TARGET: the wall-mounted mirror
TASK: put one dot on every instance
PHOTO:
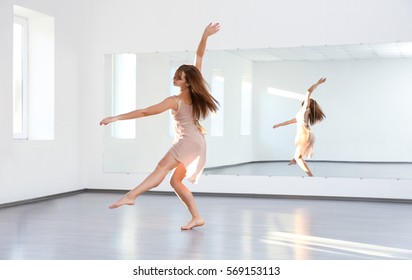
(366, 99)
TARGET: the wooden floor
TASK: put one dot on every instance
(81, 227)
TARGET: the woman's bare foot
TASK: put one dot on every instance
(293, 161)
(194, 222)
(124, 200)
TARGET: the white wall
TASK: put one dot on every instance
(366, 103)
(147, 26)
(31, 169)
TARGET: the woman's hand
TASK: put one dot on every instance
(285, 123)
(211, 29)
(312, 88)
(321, 81)
(108, 120)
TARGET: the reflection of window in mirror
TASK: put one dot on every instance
(218, 85)
(246, 107)
(286, 93)
(124, 94)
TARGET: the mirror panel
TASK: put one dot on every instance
(366, 100)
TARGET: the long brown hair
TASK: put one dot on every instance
(315, 114)
(202, 101)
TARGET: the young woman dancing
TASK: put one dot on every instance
(187, 156)
(309, 113)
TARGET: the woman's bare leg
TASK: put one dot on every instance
(186, 197)
(167, 163)
(302, 164)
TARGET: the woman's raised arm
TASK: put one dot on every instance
(209, 31)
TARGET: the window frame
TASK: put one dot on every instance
(23, 135)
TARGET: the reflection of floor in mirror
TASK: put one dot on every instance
(319, 169)
(80, 227)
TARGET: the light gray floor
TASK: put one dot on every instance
(81, 227)
(395, 170)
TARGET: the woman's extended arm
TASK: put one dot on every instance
(168, 103)
(311, 89)
(209, 31)
(285, 123)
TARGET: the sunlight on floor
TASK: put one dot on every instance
(314, 243)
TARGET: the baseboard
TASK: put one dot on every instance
(41, 198)
(234, 195)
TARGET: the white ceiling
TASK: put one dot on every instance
(341, 52)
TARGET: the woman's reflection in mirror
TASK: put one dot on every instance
(309, 114)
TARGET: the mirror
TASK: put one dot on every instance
(366, 100)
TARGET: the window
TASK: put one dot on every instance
(124, 94)
(33, 75)
(20, 78)
(217, 120)
(246, 108)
